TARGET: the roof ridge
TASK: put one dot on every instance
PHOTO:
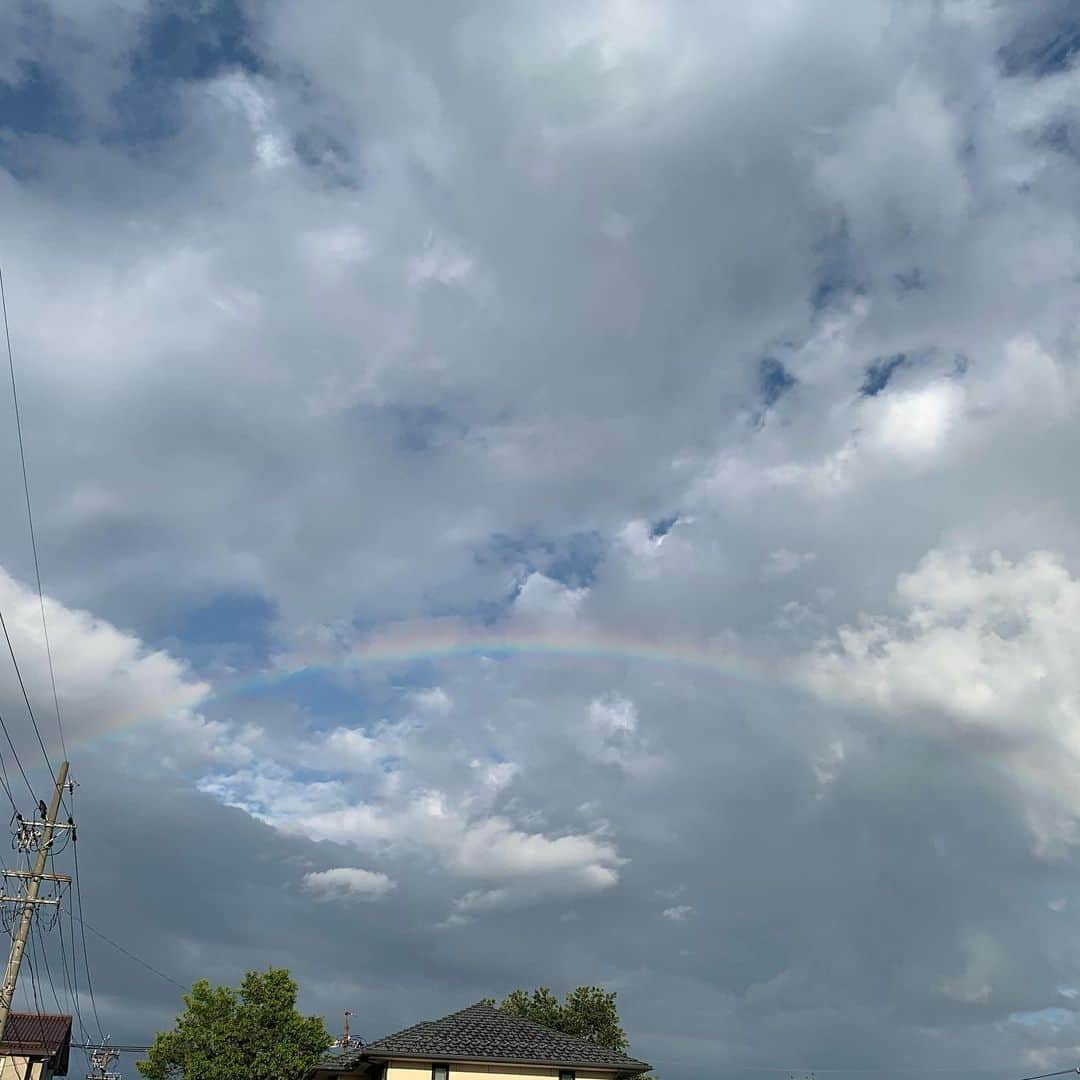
(483, 1031)
(543, 1027)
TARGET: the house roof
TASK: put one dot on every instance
(484, 1033)
(33, 1035)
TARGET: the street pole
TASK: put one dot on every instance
(18, 944)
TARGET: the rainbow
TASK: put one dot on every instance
(406, 646)
(409, 645)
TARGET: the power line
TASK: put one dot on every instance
(30, 521)
(48, 971)
(86, 957)
(33, 719)
(33, 986)
(74, 965)
(871, 1070)
(5, 782)
(26, 697)
(122, 1049)
(132, 956)
(72, 995)
(45, 960)
(18, 761)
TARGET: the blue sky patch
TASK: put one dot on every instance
(229, 627)
(774, 380)
(195, 41)
(662, 527)
(880, 372)
(331, 697)
(1046, 45)
(836, 275)
(189, 42)
(1054, 1016)
(38, 104)
(1059, 137)
(572, 559)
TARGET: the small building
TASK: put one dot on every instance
(35, 1046)
(478, 1043)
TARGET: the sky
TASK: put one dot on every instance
(541, 494)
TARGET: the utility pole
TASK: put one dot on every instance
(101, 1060)
(34, 879)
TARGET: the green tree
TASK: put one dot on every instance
(254, 1032)
(589, 1012)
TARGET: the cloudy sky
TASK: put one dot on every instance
(557, 493)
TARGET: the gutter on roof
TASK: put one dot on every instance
(628, 1067)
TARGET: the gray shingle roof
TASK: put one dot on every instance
(484, 1033)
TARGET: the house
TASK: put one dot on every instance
(478, 1043)
(35, 1046)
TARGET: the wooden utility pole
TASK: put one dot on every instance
(34, 879)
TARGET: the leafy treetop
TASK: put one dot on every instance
(254, 1032)
(589, 1012)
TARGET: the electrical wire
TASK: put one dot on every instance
(33, 987)
(86, 957)
(36, 926)
(5, 780)
(132, 956)
(72, 996)
(18, 761)
(122, 1049)
(45, 955)
(872, 1070)
(30, 520)
(26, 698)
(75, 965)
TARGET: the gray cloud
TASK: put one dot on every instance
(628, 330)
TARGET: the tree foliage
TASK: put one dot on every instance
(589, 1012)
(254, 1032)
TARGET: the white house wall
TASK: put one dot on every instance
(421, 1070)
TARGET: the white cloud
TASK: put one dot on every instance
(440, 262)
(897, 165)
(984, 958)
(434, 700)
(540, 599)
(916, 423)
(783, 562)
(348, 883)
(986, 644)
(482, 848)
(107, 679)
(613, 716)
(611, 736)
(495, 774)
(982, 649)
(678, 913)
(243, 93)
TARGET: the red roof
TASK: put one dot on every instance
(45, 1035)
